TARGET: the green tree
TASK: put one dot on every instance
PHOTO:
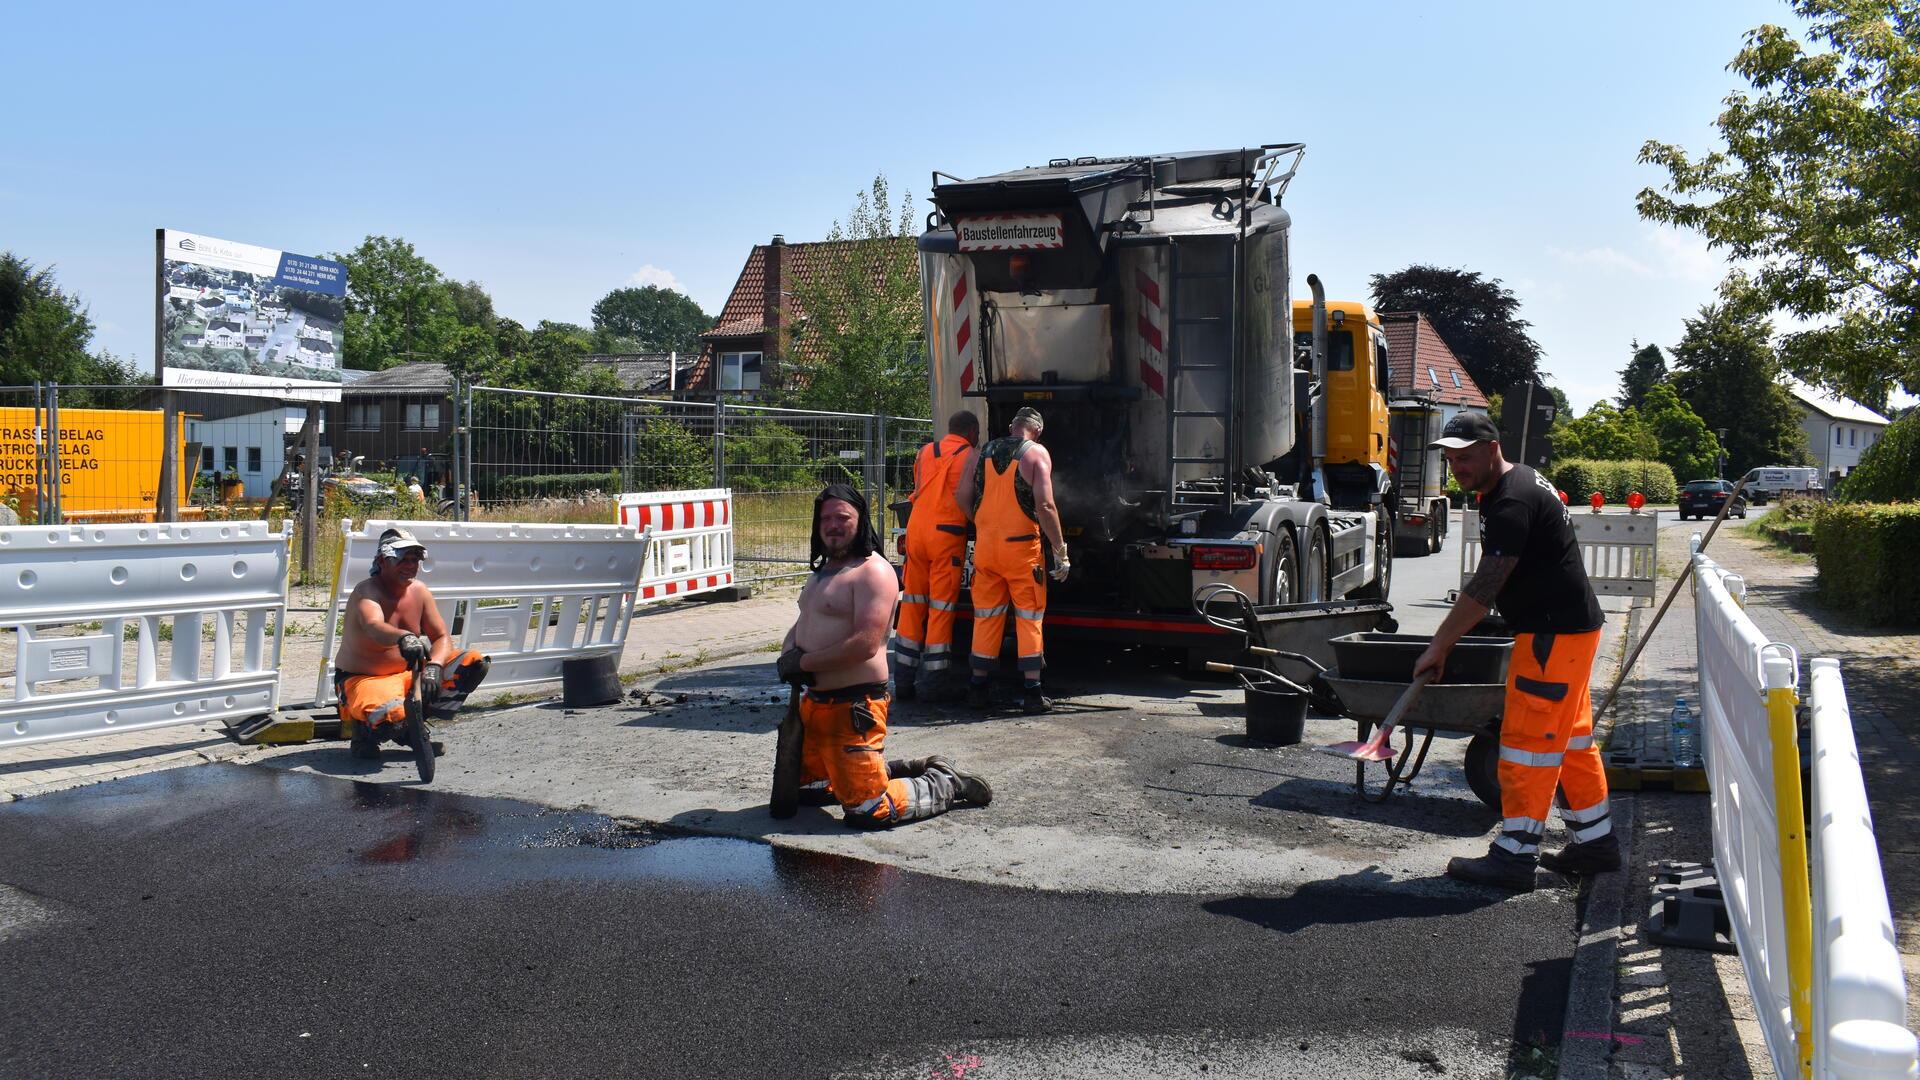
(1477, 317)
(401, 308)
(46, 334)
(652, 319)
(1647, 369)
(1681, 438)
(1725, 368)
(1605, 433)
(856, 343)
(1815, 190)
(1890, 469)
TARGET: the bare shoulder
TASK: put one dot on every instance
(363, 591)
(877, 573)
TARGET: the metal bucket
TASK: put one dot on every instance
(1275, 714)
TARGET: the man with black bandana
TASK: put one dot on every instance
(837, 651)
(1531, 569)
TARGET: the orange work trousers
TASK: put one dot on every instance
(1546, 742)
(845, 746)
(930, 594)
(1008, 579)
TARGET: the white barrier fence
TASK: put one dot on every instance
(1818, 952)
(689, 541)
(1859, 986)
(1621, 551)
(199, 607)
(529, 596)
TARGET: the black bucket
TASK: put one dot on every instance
(1275, 714)
(590, 682)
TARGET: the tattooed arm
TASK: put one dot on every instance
(1476, 600)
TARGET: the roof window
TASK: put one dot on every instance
(1456, 380)
(1433, 375)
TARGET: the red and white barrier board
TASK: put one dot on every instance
(689, 541)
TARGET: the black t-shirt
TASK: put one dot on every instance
(1523, 517)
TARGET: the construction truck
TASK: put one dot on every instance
(1143, 305)
(1420, 476)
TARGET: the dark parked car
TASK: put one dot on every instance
(1703, 498)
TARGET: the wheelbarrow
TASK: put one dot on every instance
(1460, 708)
(1299, 633)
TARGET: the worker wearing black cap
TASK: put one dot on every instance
(1531, 570)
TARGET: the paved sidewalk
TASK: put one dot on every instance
(1687, 1013)
(664, 637)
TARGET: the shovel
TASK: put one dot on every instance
(1376, 749)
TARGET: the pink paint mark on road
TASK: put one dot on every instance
(956, 1069)
(1623, 1040)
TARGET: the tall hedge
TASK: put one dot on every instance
(1865, 553)
(1890, 469)
(1580, 477)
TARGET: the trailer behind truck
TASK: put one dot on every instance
(1420, 477)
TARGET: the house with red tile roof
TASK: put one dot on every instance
(1421, 366)
(744, 352)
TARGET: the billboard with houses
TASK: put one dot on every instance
(240, 319)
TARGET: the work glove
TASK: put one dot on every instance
(1061, 567)
(415, 647)
(789, 668)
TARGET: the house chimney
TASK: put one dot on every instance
(775, 279)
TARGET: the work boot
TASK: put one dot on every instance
(951, 690)
(904, 688)
(1035, 702)
(967, 787)
(903, 768)
(977, 696)
(1498, 867)
(1596, 856)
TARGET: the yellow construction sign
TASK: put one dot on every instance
(108, 462)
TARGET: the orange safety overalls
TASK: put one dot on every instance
(843, 757)
(1009, 569)
(1546, 742)
(936, 551)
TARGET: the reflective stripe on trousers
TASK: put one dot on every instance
(1546, 742)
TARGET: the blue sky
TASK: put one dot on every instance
(554, 152)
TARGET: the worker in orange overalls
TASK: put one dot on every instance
(1006, 490)
(936, 549)
(1531, 569)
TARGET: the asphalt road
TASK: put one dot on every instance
(1149, 896)
(240, 921)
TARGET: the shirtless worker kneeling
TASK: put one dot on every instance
(837, 652)
(392, 621)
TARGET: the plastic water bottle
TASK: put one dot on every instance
(1685, 736)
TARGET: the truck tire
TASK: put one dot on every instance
(1315, 581)
(1383, 558)
(1283, 579)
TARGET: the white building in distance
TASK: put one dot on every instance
(1838, 429)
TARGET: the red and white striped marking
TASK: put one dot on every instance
(690, 540)
(960, 317)
(1152, 344)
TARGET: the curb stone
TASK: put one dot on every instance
(1586, 1035)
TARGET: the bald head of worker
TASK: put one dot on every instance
(1027, 423)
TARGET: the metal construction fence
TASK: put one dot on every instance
(1812, 928)
(71, 454)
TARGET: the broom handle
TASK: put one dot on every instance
(1621, 676)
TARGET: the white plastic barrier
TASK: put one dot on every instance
(529, 596)
(210, 596)
(1738, 668)
(1859, 988)
(1621, 552)
(689, 540)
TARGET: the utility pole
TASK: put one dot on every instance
(1720, 469)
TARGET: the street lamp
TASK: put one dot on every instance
(1720, 467)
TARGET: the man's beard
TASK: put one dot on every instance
(837, 549)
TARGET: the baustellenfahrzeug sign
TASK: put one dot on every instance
(1010, 232)
(240, 319)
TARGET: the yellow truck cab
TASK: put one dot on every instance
(1356, 391)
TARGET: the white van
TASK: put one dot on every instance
(1767, 483)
